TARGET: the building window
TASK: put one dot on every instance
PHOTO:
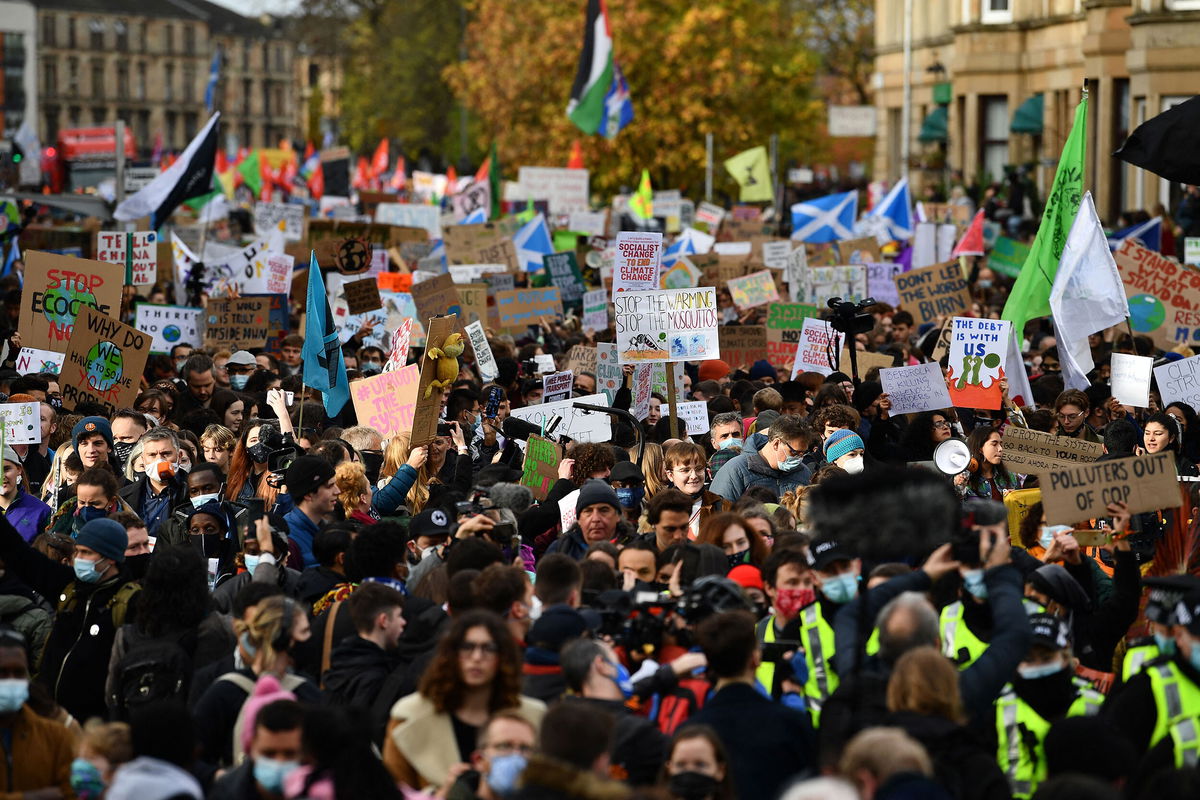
(247, 89)
(141, 126)
(190, 124)
(97, 79)
(170, 117)
(245, 55)
(280, 59)
(51, 116)
(1122, 111)
(99, 115)
(96, 34)
(996, 12)
(169, 78)
(122, 31)
(993, 148)
(189, 40)
(189, 82)
(122, 80)
(72, 75)
(247, 130)
(266, 98)
(71, 33)
(49, 30)
(49, 78)
(139, 89)
(314, 74)
(170, 39)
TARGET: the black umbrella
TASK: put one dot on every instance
(1166, 144)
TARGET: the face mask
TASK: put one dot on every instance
(370, 367)
(86, 570)
(505, 771)
(1046, 537)
(238, 382)
(738, 558)
(201, 499)
(246, 644)
(259, 452)
(1036, 671)
(122, 450)
(1166, 644)
(160, 470)
(269, 773)
(788, 602)
(13, 694)
(89, 513)
(138, 565)
(251, 563)
(630, 497)
(622, 679)
(732, 441)
(86, 780)
(790, 463)
(179, 365)
(841, 588)
(692, 785)
(984, 284)
(535, 609)
(973, 582)
(852, 464)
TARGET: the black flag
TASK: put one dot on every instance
(1166, 144)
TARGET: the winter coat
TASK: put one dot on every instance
(961, 764)
(751, 469)
(357, 671)
(41, 756)
(28, 515)
(547, 779)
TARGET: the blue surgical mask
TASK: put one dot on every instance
(790, 463)
(86, 570)
(622, 679)
(269, 773)
(238, 382)
(630, 497)
(249, 647)
(1165, 643)
(15, 691)
(973, 582)
(370, 367)
(505, 772)
(251, 563)
(840, 588)
(1046, 537)
(732, 441)
(984, 284)
(1032, 673)
(86, 780)
(201, 499)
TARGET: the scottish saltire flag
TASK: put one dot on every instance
(532, 242)
(476, 217)
(324, 367)
(1148, 233)
(826, 219)
(214, 74)
(682, 246)
(896, 209)
(618, 104)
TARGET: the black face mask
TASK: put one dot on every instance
(122, 450)
(259, 452)
(137, 565)
(372, 463)
(692, 785)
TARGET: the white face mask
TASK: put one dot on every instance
(852, 464)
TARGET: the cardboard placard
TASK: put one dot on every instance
(881, 282)
(237, 323)
(31, 360)
(595, 310)
(860, 251)
(500, 251)
(667, 325)
(271, 273)
(1130, 380)
(784, 323)
(775, 253)
(56, 287)
(577, 424)
(436, 296)
(557, 386)
(472, 299)
(362, 295)
(540, 469)
(352, 256)
(581, 359)
(285, 217)
(822, 283)
(915, 389)
(1164, 295)
(866, 361)
(742, 345)
(523, 307)
(1179, 381)
(136, 250)
(386, 401)
(931, 292)
(425, 414)
(563, 270)
(755, 289)
(638, 258)
(484, 358)
(1029, 451)
(169, 325)
(22, 423)
(817, 347)
(609, 376)
(1081, 491)
(104, 363)
(978, 350)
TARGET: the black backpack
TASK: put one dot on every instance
(153, 669)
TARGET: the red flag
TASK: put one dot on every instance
(399, 179)
(576, 159)
(222, 162)
(362, 174)
(308, 150)
(451, 180)
(379, 162)
(316, 182)
(482, 175)
(268, 176)
(971, 243)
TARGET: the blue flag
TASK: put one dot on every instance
(826, 219)
(896, 210)
(532, 242)
(618, 105)
(324, 367)
(214, 74)
(1149, 234)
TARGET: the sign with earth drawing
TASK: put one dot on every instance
(56, 288)
(104, 362)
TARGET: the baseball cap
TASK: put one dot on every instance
(1049, 631)
(826, 551)
(243, 358)
(430, 522)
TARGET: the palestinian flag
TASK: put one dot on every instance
(595, 74)
(188, 177)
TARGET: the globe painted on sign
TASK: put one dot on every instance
(105, 366)
(172, 333)
(1146, 313)
(61, 303)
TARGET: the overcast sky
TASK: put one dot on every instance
(252, 7)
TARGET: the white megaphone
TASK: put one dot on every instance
(952, 456)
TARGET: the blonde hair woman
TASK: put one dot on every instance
(355, 497)
(653, 469)
(59, 476)
(414, 473)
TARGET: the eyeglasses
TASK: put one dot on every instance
(791, 449)
(483, 648)
(1069, 417)
(942, 425)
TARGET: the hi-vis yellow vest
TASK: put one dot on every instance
(1020, 732)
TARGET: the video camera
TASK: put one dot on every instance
(637, 620)
(851, 318)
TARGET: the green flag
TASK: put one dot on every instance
(251, 173)
(1030, 296)
(495, 181)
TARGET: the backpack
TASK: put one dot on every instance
(290, 682)
(152, 670)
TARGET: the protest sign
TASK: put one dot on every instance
(362, 295)
(742, 345)
(1130, 380)
(1191, 250)
(500, 251)
(398, 348)
(784, 323)
(1034, 452)
(31, 360)
(978, 348)
(270, 273)
(435, 297)
(881, 283)
(564, 189)
(285, 217)
(104, 362)
(915, 389)
(429, 402)
(484, 358)
(680, 275)
(866, 361)
(932, 292)
(595, 310)
(755, 289)
(236, 323)
(545, 363)
(589, 223)
(1164, 296)
(638, 257)
(609, 376)
(472, 298)
(169, 325)
(711, 215)
(386, 401)
(540, 469)
(794, 274)
(667, 325)
(694, 415)
(860, 251)
(1007, 256)
(54, 290)
(1082, 491)
(775, 253)
(474, 196)
(577, 424)
(137, 252)
(943, 343)
(463, 242)
(582, 358)
(500, 283)
(22, 423)
(643, 387)
(817, 348)
(564, 273)
(556, 386)
(1178, 381)
(411, 215)
(473, 273)
(822, 283)
(520, 308)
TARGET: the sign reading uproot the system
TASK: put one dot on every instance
(577, 424)
(667, 325)
(1034, 452)
(169, 325)
(638, 258)
(1083, 491)
(56, 288)
(237, 323)
(931, 292)
(978, 348)
(915, 389)
(104, 362)
(386, 401)
(138, 251)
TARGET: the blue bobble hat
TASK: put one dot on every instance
(841, 442)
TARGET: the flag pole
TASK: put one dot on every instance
(300, 427)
